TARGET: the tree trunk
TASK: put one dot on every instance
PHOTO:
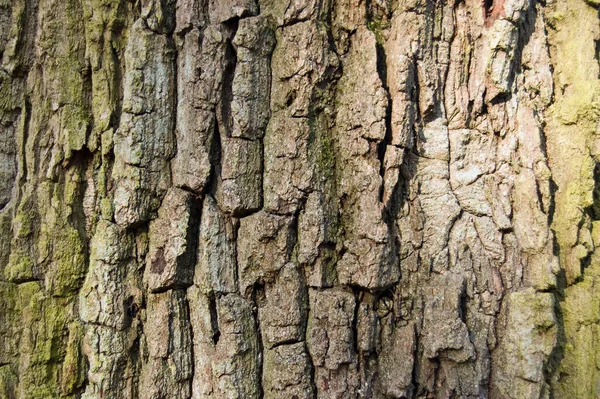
(299, 199)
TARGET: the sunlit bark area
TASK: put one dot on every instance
(299, 199)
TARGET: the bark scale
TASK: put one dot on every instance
(299, 198)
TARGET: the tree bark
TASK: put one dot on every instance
(299, 199)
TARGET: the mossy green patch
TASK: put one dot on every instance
(74, 126)
(25, 217)
(62, 236)
(19, 268)
(75, 363)
(572, 124)
(8, 381)
(378, 25)
(581, 319)
(6, 97)
(43, 344)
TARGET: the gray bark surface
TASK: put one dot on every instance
(299, 199)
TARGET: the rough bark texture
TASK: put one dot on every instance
(299, 199)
